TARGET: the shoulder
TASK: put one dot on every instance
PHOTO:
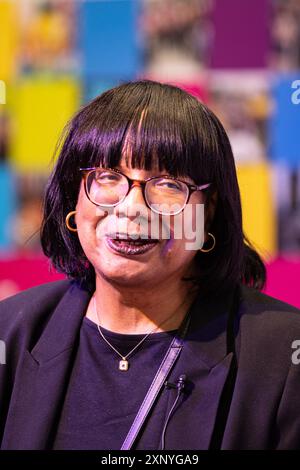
(264, 307)
(268, 327)
(26, 318)
(31, 304)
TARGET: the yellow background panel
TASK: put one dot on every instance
(259, 218)
(40, 108)
(8, 39)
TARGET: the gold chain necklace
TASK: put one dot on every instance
(123, 363)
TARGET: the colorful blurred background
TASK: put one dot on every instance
(242, 58)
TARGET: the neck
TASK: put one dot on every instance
(138, 310)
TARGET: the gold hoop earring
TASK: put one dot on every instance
(69, 215)
(212, 247)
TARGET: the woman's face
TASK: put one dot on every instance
(169, 257)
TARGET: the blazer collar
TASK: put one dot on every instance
(208, 362)
(63, 327)
(206, 335)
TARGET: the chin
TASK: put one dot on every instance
(129, 280)
(126, 275)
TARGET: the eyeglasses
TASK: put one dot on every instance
(166, 195)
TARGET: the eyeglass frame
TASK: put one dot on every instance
(142, 183)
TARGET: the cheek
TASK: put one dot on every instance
(174, 248)
(87, 217)
(170, 247)
(85, 220)
(186, 232)
(174, 256)
(87, 213)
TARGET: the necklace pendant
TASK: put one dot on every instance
(123, 365)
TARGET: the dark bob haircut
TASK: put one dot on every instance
(183, 137)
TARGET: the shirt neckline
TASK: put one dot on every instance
(131, 336)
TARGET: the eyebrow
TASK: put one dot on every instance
(162, 173)
(159, 173)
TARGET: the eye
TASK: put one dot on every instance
(106, 177)
(168, 184)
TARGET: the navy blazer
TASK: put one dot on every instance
(244, 388)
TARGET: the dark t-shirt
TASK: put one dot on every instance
(102, 401)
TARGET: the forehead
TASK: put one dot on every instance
(126, 164)
(126, 167)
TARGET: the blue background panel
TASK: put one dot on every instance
(8, 205)
(109, 40)
(285, 122)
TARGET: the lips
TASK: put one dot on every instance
(130, 246)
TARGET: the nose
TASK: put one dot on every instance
(134, 203)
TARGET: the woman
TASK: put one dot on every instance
(122, 216)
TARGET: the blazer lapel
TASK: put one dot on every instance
(206, 363)
(42, 377)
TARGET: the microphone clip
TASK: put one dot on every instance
(179, 385)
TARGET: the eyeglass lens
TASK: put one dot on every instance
(163, 195)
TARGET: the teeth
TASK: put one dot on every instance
(135, 242)
(131, 247)
(133, 237)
